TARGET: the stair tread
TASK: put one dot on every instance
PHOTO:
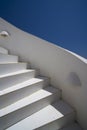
(73, 126)
(44, 116)
(17, 72)
(13, 67)
(40, 94)
(20, 85)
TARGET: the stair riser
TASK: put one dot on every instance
(8, 59)
(60, 123)
(8, 68)
(3, 51)
(12, 97)
(6, 82)
(14, 117)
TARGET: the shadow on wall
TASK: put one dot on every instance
(74, 79)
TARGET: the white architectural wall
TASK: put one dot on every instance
(66, 70)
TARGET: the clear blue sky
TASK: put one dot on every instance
(63, 22)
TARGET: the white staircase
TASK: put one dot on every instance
(28, 101)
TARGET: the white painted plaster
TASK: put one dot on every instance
(54, 62)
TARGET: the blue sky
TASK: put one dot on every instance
(63, 22)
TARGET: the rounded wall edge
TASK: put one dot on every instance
(4, 25)
(66, 70)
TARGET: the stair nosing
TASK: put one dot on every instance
(43, 124)
(13, 63)
(1, 94)
(17, 73)
(24, 105)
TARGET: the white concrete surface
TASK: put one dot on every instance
(27, 106)
(18, 91)
(16, 73)
(20, 85)
(8, 58)
(3, 50)
(7, 80)
(8, 68)
(66, 70)
(27, 100)
(45, 116)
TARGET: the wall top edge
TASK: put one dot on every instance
(2, 21)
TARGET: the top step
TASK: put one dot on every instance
(3, 50)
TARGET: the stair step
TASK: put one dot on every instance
(73, 126)
(27, 106)
(10, 79)
(3, 50)
(28, 100)
(16, 73)
(21, 90)
(52, 117)
(8, 58)
(8, 68)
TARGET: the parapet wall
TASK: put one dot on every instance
(67, 70)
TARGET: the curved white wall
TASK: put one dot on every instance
(66, 70)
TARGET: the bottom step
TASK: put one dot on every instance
(52, 117)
